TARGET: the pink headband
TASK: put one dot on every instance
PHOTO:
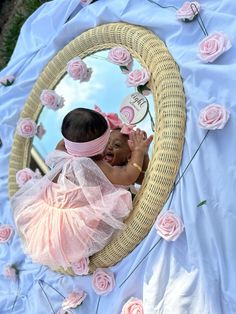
(115, 122)
(88, 149)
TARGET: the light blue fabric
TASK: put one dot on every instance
(195, 274)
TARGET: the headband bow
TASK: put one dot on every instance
(115, 122)
(112, 118)
(127, 129)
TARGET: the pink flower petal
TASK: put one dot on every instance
(103, 281)
(6, 232)
(169, 226)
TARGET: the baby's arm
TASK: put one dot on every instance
(145, 165)
(128, 174)
(61, 146)
(144, 168)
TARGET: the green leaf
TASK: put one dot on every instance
(143, 88)
(14, 25)
(139, 89)
(124, 69)
(202, 203)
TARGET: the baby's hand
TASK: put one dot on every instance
(139, 141)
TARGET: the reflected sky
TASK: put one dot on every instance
(107, 88)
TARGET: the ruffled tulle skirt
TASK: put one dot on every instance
(62, 222)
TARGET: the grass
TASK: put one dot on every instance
(11, 35)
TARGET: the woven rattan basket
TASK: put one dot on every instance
(167, 89)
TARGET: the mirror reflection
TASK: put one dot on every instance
(106, 88)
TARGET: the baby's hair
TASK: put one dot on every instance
(83, 125)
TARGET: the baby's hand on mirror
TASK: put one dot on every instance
(61, 146)
(144, 134)
(139, 141)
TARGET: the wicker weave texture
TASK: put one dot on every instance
(169, 99)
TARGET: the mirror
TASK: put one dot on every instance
(106, 88)
(169, 105)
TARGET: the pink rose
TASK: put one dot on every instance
(26, 128)
(26, 174)
(78, 70)
(213, 117)
(81, 267)
(169, 226)
(138, 77)
(85, 2)
(10, 272)
(51, 99)
(120, 56)
(6, 232)
(133, 306)
(73, 300)
(188, 11)
(103, 281)
(7, 80)
(212, 46)
(40, 131)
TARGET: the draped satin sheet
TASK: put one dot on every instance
(195, 274)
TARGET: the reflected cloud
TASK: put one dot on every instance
(78, 94)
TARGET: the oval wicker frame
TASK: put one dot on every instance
(169, 99)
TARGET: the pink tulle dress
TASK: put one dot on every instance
(62, 222)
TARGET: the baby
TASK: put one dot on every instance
(82, 201)
(118, 153)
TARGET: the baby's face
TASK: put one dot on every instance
(117, 151)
